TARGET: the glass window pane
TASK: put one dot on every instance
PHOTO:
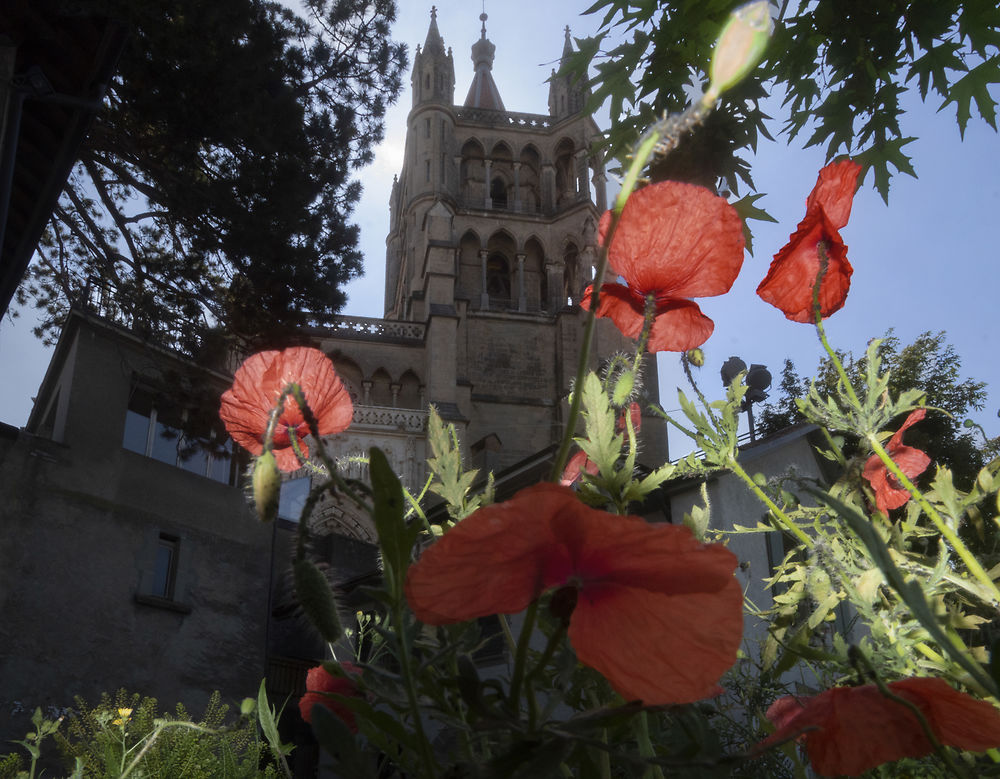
(163, 568)
(293, 497)
(165, 442)
(193, 456)
(221, 468)
(136, 431)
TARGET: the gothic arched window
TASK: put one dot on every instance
(498, 193)
(498, 278)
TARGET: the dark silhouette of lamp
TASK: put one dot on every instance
(758, 380)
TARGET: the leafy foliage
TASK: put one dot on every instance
(104, 741)
(841, 69)
(215, 187)
(930, 366)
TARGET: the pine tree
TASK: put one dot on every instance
(214, 191)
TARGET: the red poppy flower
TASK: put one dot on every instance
(578, 463)
(790, 280)
(657, 613)
(256, 388)
(674, 241)
(319, 682)
(634, 412)
(858, 728)
(889, 493)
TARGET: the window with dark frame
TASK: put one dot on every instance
(157, 430)
(165, 566)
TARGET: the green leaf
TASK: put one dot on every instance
(602, 444)
(747, 209)
(974, 85)
(268, 723)
(395, 538)
(878, 158)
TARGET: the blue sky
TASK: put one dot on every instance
(924, 262)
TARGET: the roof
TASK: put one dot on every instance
(54, 69)
(483, 93)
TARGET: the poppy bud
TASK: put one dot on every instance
(317, 601)
(266, 481)
(739, 47)
(696, 357)
(623, 388)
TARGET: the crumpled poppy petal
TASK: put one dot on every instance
(912, 418)
(678, 240)
(679, 326)
(619, 304)
(658, 648)
(844, 719)
(576, 465)
(258, 384)
(792, 275)
(834, 191)
(489, 563)
(634, 416)
(889, 494)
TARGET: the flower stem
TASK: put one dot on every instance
(646, 746)
(520, 657)
(778, 514)
(952, 537)
(406, 668)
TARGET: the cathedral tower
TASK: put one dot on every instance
(492, 240)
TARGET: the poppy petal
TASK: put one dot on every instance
(911, 461)
(620, 305)
(576, 465)
(679, 326)
(491, 562)
(912, 418)
(655, 647)
(792, 275)
(632, 552)
(834, 191)
(957, 719)
(677, 239)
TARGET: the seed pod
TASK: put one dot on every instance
(317, 600)
(623, 388)
(266, 481)
(739, 47)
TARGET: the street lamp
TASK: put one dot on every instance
(757, 379)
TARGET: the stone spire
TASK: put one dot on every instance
(434, 42)
(567, 48)
(567, 95)
(433, 77)
(483, 93)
